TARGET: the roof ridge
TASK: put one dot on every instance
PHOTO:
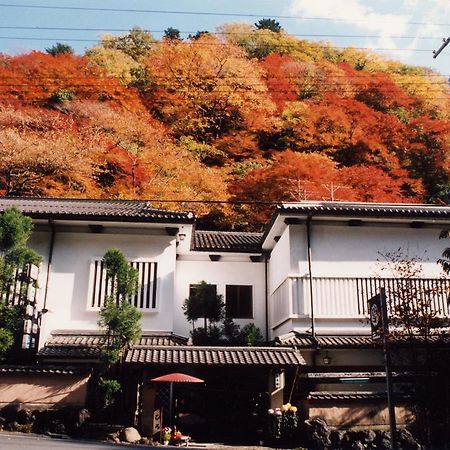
(228, 232)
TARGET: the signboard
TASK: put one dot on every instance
(376, 316)
(157, 421)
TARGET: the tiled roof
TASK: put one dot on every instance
(300, 340)
(353, 395)
(346, 395)
(86, 209)
(167, 348)
(307, 341)
(219, 356)
(227, 241)
(366, 209)
(31, 370)
(83, 344)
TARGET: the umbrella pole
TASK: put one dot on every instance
(170, 403)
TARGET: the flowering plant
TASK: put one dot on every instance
(283, 421)
(166, 433)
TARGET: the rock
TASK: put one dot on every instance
(13, 426)
(25, 416)
(82, 416)
(357, 445)
(130, 435)
(145, 441)
(407, 440)
(383, 440)
(366, 436)
(59, 428)
(113, 437)
(9, 412)
(336, 437)
(24, 428)
(318, 433)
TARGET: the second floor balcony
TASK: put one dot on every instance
(301, 297)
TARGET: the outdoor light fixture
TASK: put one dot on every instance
(181, 235)
(326, 359)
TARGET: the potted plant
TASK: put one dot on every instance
(166, 435)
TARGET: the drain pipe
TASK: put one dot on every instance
(311, 294)
(266, 293)
(49, 264)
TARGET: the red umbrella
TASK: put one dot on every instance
(175, 377)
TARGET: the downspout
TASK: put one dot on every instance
(311, 294)
(266, 293)
(49, 264)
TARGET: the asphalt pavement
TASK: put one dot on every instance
(19, 441)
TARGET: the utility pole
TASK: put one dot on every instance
(379, 322)
(439, 50)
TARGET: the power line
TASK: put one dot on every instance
(215, 33)
(293, 45)
(203, 13)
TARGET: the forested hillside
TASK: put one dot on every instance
(243, 114)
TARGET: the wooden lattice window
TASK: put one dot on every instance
(144, 299)
(21, 292)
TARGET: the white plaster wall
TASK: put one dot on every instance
(219, 273)
(339, 250)
(344, 251)
(280, 263)
(67, 299)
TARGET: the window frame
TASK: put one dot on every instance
(151, 297)
(238, 295)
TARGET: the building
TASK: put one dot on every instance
(304, 282)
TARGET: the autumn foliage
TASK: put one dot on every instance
(247, 115)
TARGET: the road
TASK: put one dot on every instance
(18, 441)
(14, 441)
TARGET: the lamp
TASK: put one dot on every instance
(326, 359)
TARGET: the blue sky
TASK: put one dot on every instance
(405, 30)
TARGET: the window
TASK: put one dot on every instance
(239, 302)
(145, 298)
(211, 289)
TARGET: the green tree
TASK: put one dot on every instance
(15, 231)
(268, 24)
(204, 302)
(59, 49)
(137, 43)
(172, 34)
(119, 318)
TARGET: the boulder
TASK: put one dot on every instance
(357, 445)
(336, 437)
(82, 416)
(130, 435)
(407, 440)
(318, 433)
(366, 436)
(25, 416)
(383, 440)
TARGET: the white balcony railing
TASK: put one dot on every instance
(346, 298)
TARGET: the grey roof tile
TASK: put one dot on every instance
(85, 344)
(84, 209)
(190, 355)
(366, 209)
(42, 369)
(227, 241)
